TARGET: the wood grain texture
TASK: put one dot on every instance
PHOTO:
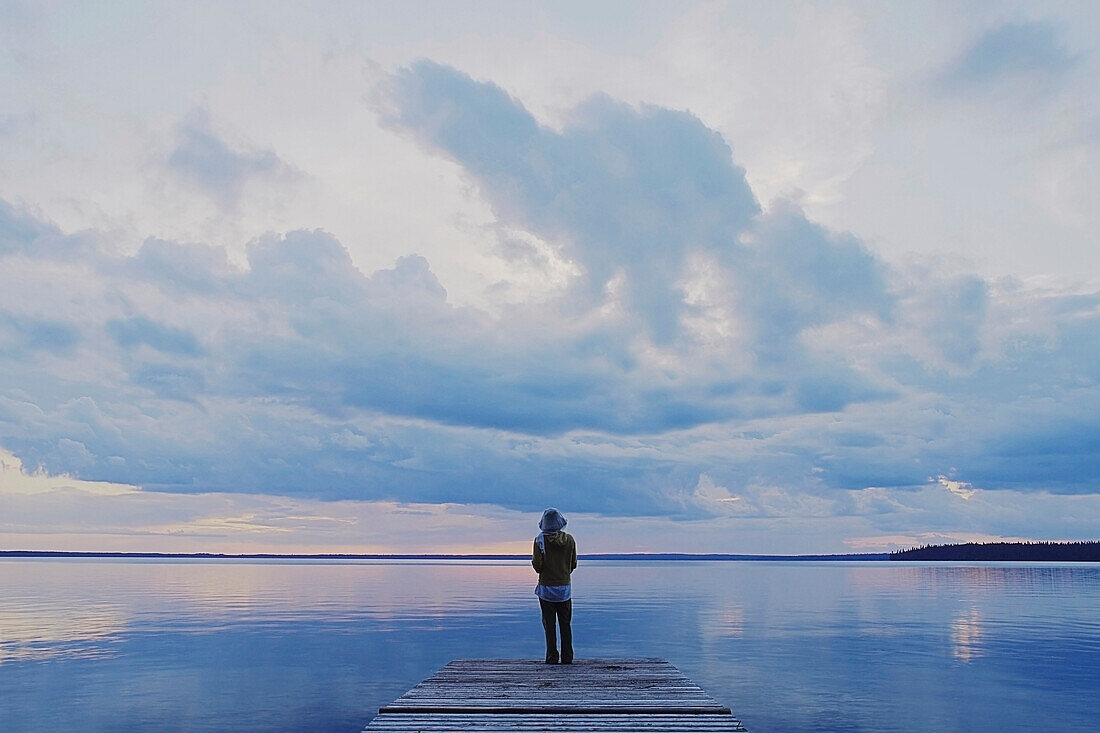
(589, 695)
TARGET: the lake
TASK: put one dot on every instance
(122, 644)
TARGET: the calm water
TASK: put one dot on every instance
(214, 645)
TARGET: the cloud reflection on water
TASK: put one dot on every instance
(28, 633)
(316, 645)
(967, 635)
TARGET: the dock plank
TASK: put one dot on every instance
(465, 723)
(472, 695)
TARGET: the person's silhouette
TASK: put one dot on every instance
(554, 557)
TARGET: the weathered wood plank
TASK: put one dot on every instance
(465, 723)
(615, 683)
(636, 694)
(634, 722)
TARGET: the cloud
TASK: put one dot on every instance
(695, 334)
(132, 332)
(620, 188)
(1010, 50)
(61, 512)
(46, 512)
(203, 158)
(182, 267)
(16, 479)
(651, 206)
(50, 335)
(1026, 62)
(20, 231)
(961, 489)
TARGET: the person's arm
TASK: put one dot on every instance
(573, 561)
(536, 557)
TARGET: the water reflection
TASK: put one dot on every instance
(42, 633)
(81, 608)
(318, 646)
(966, 635)
(726, 621)
(990, 578)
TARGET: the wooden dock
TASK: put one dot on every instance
(472, 695)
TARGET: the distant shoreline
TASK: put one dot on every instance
(969, 552)
(1005, 552)
(670, 556)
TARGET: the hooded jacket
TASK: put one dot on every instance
(558, 561)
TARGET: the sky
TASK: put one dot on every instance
(753, 277)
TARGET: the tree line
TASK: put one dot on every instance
(1038, 551)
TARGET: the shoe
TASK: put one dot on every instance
(551, 660)
(567, 661)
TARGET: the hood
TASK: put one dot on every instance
(552, 521)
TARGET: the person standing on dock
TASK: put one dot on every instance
(554, 557)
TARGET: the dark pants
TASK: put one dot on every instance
(563, 612)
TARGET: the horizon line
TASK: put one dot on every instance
(445, 556)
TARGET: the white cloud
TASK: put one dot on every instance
(15, 479)
(961, 489)
(715, 499)
(203, 158)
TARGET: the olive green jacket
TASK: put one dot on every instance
(558, 561)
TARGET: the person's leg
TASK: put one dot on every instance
(551, 634)
(565, 619)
